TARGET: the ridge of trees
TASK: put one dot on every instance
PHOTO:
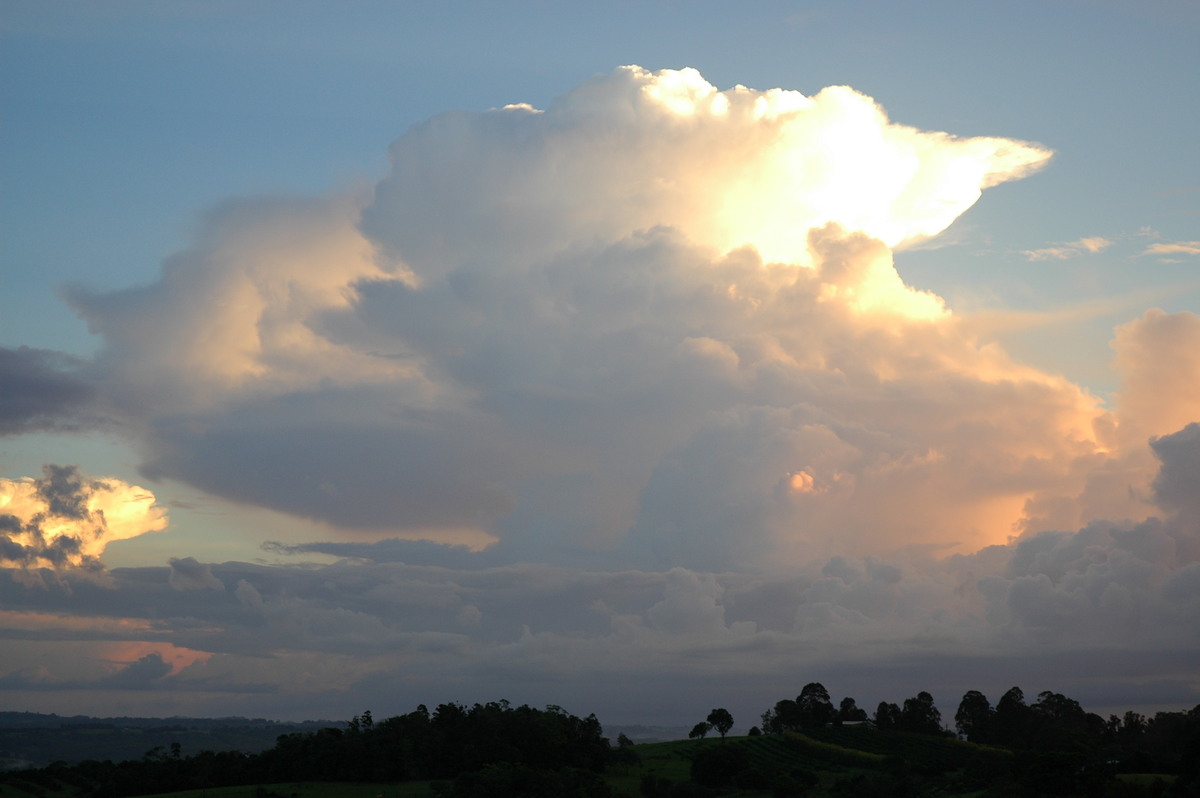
(492, 748)
(1167, 742)
(1054, 740)
(1049, 747)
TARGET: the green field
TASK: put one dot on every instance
(827, 755)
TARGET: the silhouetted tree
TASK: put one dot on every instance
(625, 754)
(783, 716)
(1131, 728)
(721, 720)
(1060, 723)
(887, 716)
(699, 730)
(849, 711)
(920, 715)
(815, 708)
(1011, 721)
(974, 716)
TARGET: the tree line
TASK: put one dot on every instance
(1056, 744)
(484, 749)
(813, 709)
(1048, 747)
(1167, 742)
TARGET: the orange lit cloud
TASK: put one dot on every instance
(125, 653)
(1177, 248)
(65, 519)
(49, 623)
(1158, 357)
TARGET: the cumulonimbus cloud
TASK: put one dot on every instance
(644, 359)
(637, 149)
(644, 317)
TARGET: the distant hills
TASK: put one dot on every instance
(34, 740)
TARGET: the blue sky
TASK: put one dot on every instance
(699, 509)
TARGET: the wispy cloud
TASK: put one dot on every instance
(1074, 249)
(1176, 248)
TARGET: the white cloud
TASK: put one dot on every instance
(1074, 249)
(635, 149)
(1176, 248)
(543, 311)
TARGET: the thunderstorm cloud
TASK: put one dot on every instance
(631, 379)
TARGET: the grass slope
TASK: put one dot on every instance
(829, 755)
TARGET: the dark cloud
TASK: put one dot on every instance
(337, 470)
(143, 674)
(188, 574)
(1177, 486)
(42, 391)
(64, 491)
(416, 552)
(867, 627)
(146, 673)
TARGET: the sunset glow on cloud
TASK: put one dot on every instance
(567, 302)
(635, 150)
(601, 385)
(61, 520)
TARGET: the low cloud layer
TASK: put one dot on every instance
(1072, 611)
(626, 387)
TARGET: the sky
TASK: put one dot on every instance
(636, 358)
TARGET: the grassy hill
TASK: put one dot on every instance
(829, 761)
